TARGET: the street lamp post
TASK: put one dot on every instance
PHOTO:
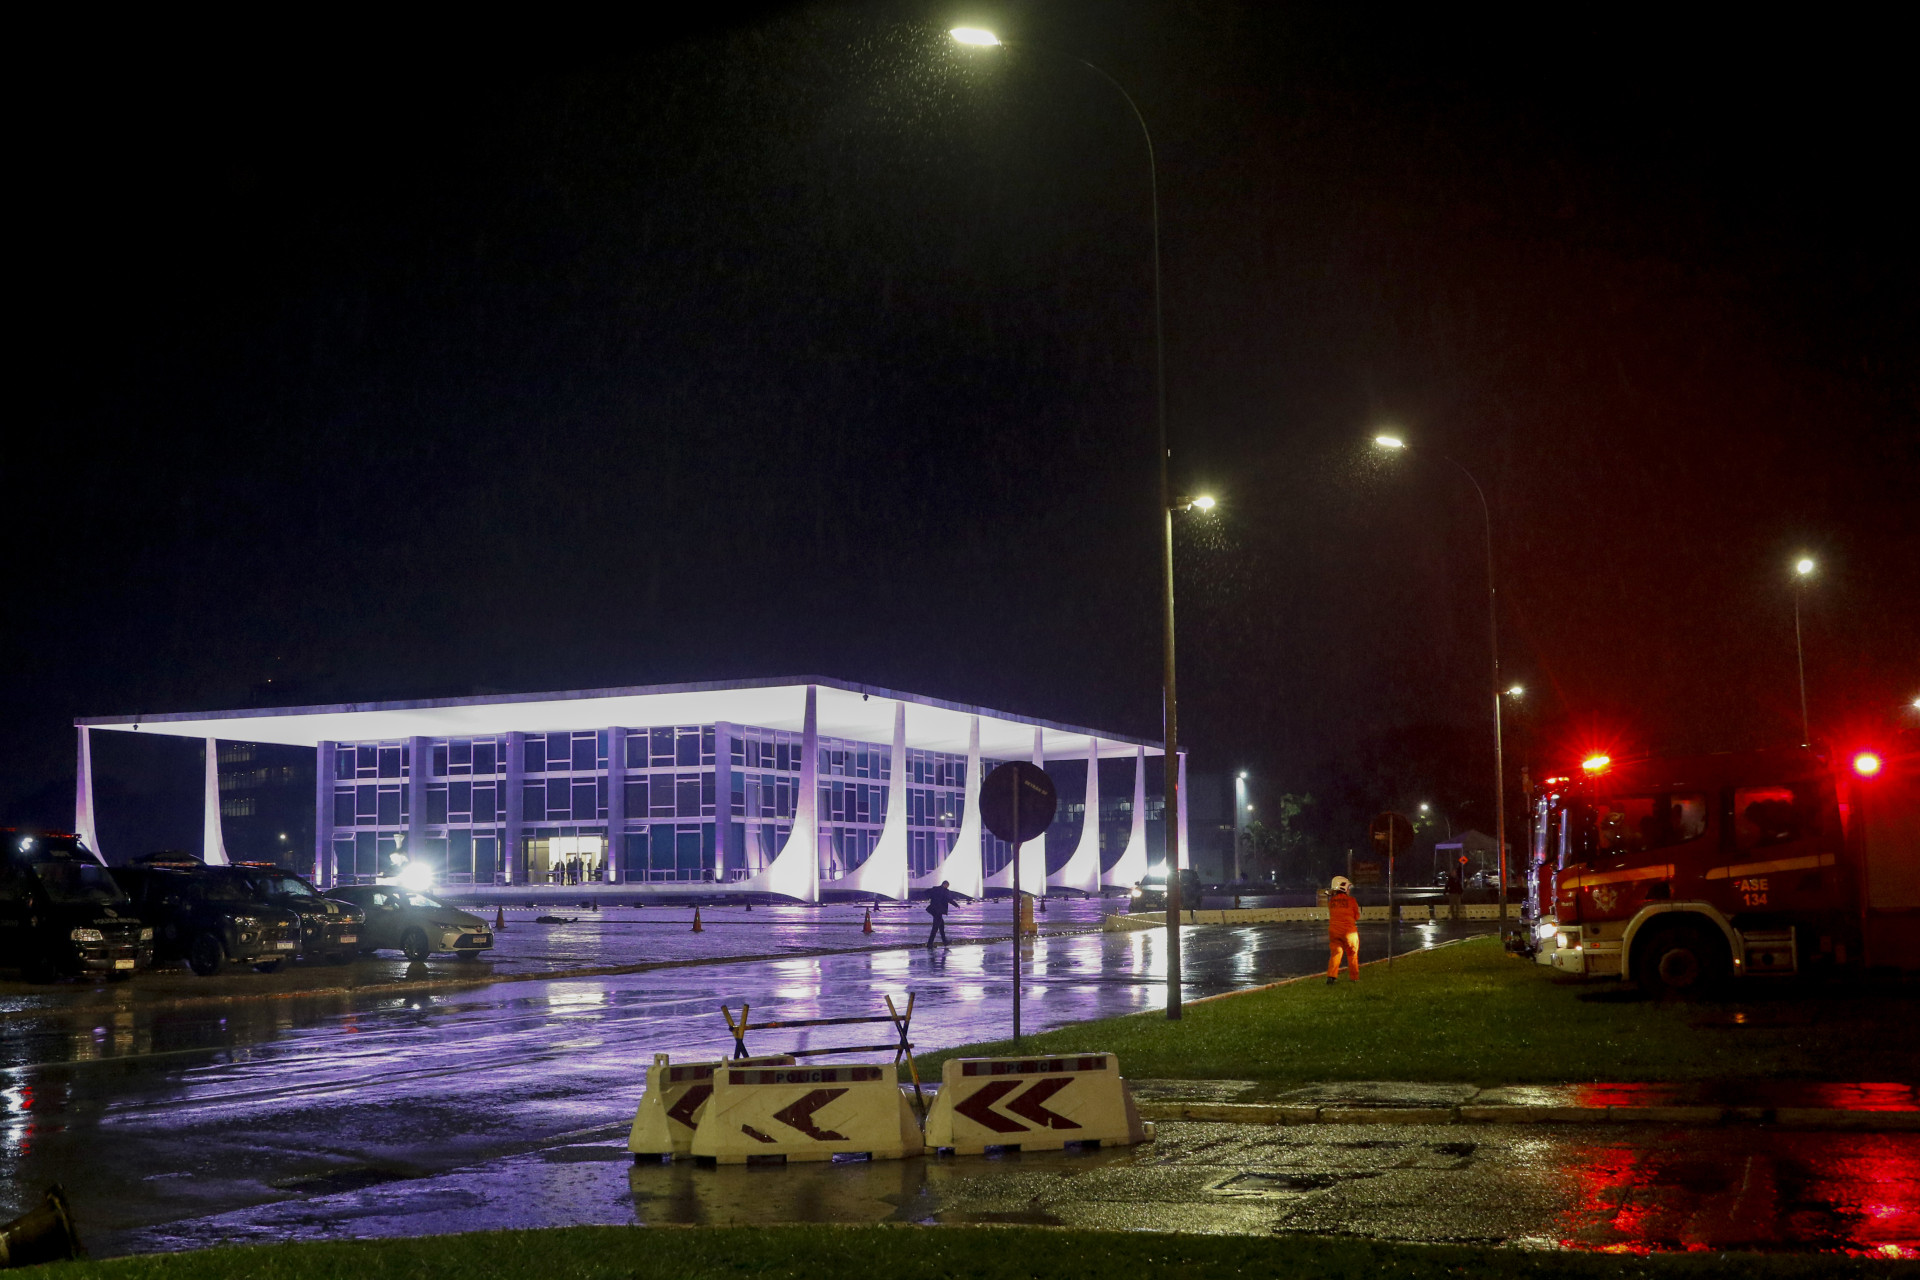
(980, 38)
(1493, 640)
(1802, 569)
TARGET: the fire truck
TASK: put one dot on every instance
(1683, 873)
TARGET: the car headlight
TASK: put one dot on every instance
(87, 935)
(146, 935)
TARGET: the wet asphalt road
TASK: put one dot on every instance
(154, 1115)
(362, 1113)
(1533, 1186)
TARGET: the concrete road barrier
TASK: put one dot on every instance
(1035, 1104)
(806, 1113)
(674, 1099)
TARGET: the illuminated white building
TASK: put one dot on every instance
(800, 789)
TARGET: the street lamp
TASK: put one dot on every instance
(1242, 810)
(1396, 443)
(1802, 569)
(981, 38)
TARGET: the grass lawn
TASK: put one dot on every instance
(909, 1253)
(1471, 1013)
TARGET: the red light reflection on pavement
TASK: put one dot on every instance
(16, 1138)
(1754, 1189)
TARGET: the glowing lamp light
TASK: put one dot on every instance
(1867, 763)
(1204, 502)
(1594, 764)
(1390, 442)
(1516, 691)
(1803, 566)
(417, 876)
(978, 37)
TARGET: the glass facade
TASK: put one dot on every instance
(709, 803)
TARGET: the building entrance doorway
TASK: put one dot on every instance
(567, 860)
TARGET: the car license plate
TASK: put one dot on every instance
(123, 964)
(349, 937)
(283, 946)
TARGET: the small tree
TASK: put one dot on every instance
(1277, 849)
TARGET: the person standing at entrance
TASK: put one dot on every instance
(939, 900)
(1343, 930)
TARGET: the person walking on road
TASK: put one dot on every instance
(939, 899)
(1343, 930)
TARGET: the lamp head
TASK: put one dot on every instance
(1516, 691)
(1803, 566)
(978, 37)
(1203, 503)
(1390, 442)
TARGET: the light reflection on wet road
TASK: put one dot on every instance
(152, 1115)
(507, 1105)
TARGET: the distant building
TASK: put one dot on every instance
(266, 802)
(794, 788)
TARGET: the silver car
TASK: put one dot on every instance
(413, 922)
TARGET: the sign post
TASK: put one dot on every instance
(1017, 803)
(1391, 834)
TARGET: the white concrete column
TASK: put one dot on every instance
(324, 756)
(963, 868)
(1130, 868)
(617, 804)
(419, 770)
(213, 845)
(512, 854)
(83, 819)
(795, 870)
(1033, 854)
(884, 873)
(1080, 873)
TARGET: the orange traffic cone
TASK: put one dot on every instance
(499, 919)
(697, 926)
(866, 926)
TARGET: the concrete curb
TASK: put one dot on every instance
(1790, 1117)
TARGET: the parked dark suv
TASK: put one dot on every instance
(60, 912)
(210, 916)
(329, 929)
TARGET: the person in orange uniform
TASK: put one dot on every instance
(1343, 930)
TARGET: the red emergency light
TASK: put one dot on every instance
(1866, 763)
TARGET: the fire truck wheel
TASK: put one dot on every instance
(1680, 960)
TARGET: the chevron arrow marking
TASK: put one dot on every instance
(1030, 1104)
(690, 1102)
(978, 1108)
(799, 1115)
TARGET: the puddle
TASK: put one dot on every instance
(344, 1180)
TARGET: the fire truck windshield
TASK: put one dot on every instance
(1625, 824)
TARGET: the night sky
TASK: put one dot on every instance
(375, 362)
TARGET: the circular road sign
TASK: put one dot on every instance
(1390, 835)
(1031, 787)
